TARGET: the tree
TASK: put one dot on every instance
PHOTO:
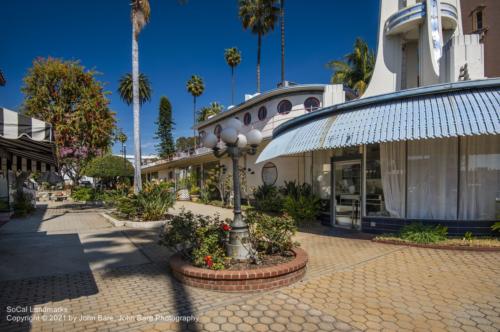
(195, 87)
(126, 90)
(141, 12)
(108, 168)
(121, 137)
(356, 70)
(205, 112)
(184, 143)
(2, 79)
(70, 98)
(164, 131)
(259, 16)
(233, 59)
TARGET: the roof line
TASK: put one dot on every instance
(256, 99)
(384, 98)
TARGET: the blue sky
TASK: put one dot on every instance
(180, 40)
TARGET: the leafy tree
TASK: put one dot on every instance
(205, 112)
(195, 87)
(164, 130)
(108, 167)
(356, 69)
(184, 143)
(259, 16)
(125, 89)
(233, 59)
(141, 12)
(69, 97)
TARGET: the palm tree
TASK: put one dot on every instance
(233, 59)
(141, 12)
(282, 21)
(125, 89)
(213, 109)
(356, 69)
(2, 79)
(195, 87)
(259, 16)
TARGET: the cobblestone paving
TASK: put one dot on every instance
(351, 284)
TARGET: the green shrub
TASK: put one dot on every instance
(4, 206)
(205, 195)
(271, 234)
(152, 203)
(267, 198)
(200, 239)
(83, 194)
(419, 233)
(496, 226)
(468, 236)
(302, 209)
(22, 204)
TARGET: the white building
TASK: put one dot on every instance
(422, 144)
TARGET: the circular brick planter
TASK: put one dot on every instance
(241, 280)
(437, 246)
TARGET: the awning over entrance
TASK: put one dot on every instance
(25, 143)
(445, 110)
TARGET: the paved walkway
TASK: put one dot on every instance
(74, 261)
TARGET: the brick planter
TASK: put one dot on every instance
(241, 280)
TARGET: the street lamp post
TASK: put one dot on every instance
(237, 144)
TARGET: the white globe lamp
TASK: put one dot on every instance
(234, 123)
(210, 141)
(229, 135)
(254, 137)
(242, 141)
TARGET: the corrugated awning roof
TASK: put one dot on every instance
(445, 110)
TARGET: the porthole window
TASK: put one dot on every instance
(269, 174)
(311, 104)
(217, 131)
(262, 113)
(284, 107)
(247, 119)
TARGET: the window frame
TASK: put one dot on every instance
(262, 110)
(247, 119)
(311, 109)
(282, 102)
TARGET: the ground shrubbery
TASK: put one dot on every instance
(86, 194)
(23, 204)
(201, 239)
(419, 233)
(152, 203)
(296, 200)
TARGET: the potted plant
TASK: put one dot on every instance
(195, 193)
(4, 211)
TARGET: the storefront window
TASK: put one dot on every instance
(432, 179)
(480, 178)
(321, 174)
(385, 180)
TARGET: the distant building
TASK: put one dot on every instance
(145, 159)
(483, 17)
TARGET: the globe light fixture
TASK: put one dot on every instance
(254, 137)
(234, 123)
(242, 141)
(238, 246)
(229, 135)
(210, 141)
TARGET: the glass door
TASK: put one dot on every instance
(347, 193)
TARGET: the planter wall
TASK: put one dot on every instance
(134, 224)
(241, 280)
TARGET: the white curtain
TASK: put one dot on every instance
(432, 179)
(392, 167)
(480, 178)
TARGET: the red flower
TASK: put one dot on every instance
(210, 263)
(226, 227)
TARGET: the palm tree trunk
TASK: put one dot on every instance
(194, 121)
(136, 107)
(232, 85)
(282, 13)
(259, 44)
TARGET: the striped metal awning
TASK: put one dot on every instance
(25, 142)
(14, 125)
(445, 110)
